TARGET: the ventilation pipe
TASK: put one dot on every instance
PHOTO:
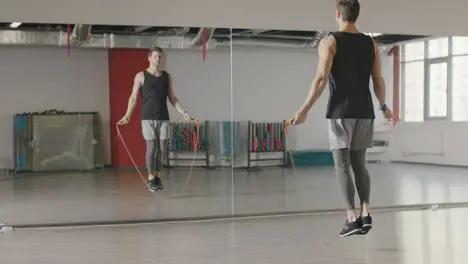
(198, 40)
(109, 41)
(251, 32)
(81, 34)
(267, 44)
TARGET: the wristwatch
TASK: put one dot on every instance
(383, 107)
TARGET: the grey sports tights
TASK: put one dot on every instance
(357, 158)
(155, 154)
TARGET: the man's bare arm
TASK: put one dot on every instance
(174, 100)
(326, 53)
(377, 78)
(132, 100)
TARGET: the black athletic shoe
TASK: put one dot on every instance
(366, 222)
(152, 186)
(350, 228)
(158, 183)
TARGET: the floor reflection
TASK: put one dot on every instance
(412, 237)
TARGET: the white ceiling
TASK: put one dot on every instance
(432, 17)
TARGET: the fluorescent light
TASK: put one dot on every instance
(15, 24)
(374, 34)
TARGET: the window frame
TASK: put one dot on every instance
(427, 63)
(451, 80)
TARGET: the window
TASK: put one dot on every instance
(438, 90)
(414, 91)
(414, 51)
(460, 46)
(460, 89)
(438, 48)
(435, 79)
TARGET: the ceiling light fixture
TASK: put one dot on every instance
(15, 24)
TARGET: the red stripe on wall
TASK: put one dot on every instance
(124, 64)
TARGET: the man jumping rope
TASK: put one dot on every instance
(349, 58)
(155, 86)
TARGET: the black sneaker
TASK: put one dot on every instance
(158, 183)
(366, 222)
(152, 186)
(350, 228)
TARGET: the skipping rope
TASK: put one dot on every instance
(196, 145)
(286, 125)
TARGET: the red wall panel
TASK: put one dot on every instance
(124, 64)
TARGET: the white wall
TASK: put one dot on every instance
(433, 142)
(37, 79)
(269, 85)
(385, 16)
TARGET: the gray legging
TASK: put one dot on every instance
(155, 154)
(357, 158)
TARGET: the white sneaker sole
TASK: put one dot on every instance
(351, 233)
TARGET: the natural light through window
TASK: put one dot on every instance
(434, 79)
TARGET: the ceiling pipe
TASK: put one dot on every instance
(81, 33)
(109, 41)
(140, 29)
(265, 44)
(266, 36)
(252, 32)
(198, 39)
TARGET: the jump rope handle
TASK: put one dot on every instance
(395, 120)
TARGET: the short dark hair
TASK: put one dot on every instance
(155, 49)
(349, 9)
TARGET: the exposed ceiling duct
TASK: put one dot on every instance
(140, 29)
(198, 39)
(81, 34)
(251, 32)
(109, 41)
(266, 44)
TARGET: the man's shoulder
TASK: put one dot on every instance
(328, 41)
(140, 73)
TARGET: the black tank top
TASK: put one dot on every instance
(350, 95)
(154, 95)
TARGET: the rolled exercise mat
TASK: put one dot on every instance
(30, 150)
(267, 139)
(277, 137)
(201, 137)
(283, 137)
(264, 132)
(24, 124)
(237, 138)
(186, 138)
(218, 138)
(16, 139)
(272, 136)
(254, 138)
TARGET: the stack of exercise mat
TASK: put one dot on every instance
(56, 140)
(265, 138)
(226, 142)
(214, 142)
(228, 139)
(184, 137)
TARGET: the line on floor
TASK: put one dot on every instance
(396, 208)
